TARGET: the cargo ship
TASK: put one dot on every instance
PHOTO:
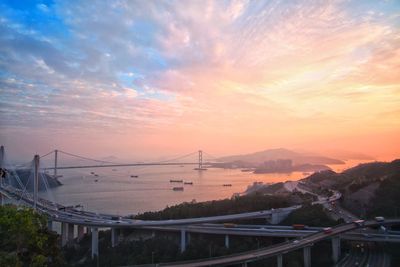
(175, 181)
(180, 188)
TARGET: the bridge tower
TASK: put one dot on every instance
(201, 168)
(2, 174)
(2, 156)
(200, 159)
(55, 163)
(2, 165)
(36, 160)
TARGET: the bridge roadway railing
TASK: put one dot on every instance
(97, 220)
(124, 165)
(282, 231)
(279, 249)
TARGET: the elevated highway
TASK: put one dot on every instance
(64, 214)
(281, 231)
(282, 248)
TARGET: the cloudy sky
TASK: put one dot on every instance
(149, 78)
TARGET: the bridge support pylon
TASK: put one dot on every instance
(36, 160)
(95, 242)
(64, 233)
(335, 249)
(307, 256)
(2, 155)
(279, 260)
(183, 240)
(55, 162)
(114, 237)
(227, 241)
(2, 174)
(200, 167)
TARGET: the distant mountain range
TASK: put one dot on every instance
(298, 158)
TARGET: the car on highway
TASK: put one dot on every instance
(327, 230)
(299, 226)
(380, 219)
(359, 222)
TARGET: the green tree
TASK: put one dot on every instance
(25, 239)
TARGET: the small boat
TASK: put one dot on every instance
(175, 181)
(91, 172)
(96, 180)
(190, 183)
(180, 188)
(134, 176)
(96, 175)
(227, 185)
(246, 170)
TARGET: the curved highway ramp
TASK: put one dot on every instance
(278, 249)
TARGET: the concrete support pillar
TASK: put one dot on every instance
(279, 260)
(81, 231)
(335, 249)
(1, 198)
(95, 242)
(307, 256)
(274, 218)
(70, 233)
(64, 233)
(227, 241)
(244, 264)
(183, 240)
(114, 237)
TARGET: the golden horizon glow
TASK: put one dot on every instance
(232, 77)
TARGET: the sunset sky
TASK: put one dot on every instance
(143, 79)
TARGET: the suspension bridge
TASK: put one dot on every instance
(72, 218)
(107, 164)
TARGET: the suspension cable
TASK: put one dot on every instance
(181, 157)
(211, 156)
(86, 158)
(24, 187)
(47, 187)
(47, 154)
